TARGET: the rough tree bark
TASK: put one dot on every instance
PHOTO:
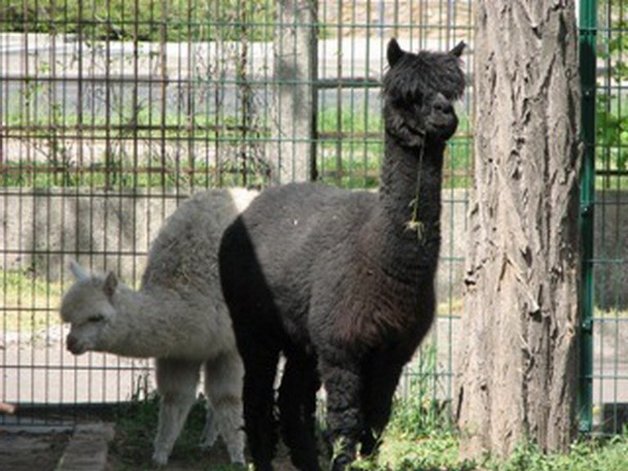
(518, 364)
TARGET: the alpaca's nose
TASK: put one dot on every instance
(442, 104)
(71, 342)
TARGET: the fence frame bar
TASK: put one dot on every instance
(587, 54)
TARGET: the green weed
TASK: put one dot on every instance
(439, 451)
(584, 455)
(136, 425)
(28, 303)
(420, 410)
(407, 445)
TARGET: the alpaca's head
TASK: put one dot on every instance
(88, 307)
(419, 91)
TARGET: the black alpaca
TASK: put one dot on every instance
(342, 282)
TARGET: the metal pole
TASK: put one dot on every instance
(587, 44)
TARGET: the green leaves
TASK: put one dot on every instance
(143, 20)
(612, 110)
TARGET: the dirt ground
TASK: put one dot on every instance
(42, 451)
(210, 460)
(23, 451)
(31, 451)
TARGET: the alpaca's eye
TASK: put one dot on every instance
(96, 318)
(417, 100)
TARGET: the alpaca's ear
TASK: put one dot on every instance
(111, 283)
(457, 50)
(78, 271)
(394, 52)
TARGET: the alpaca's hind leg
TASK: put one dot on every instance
(176, 383)
(297, 405)
(210, 430)
(223, 386)
(343, 383)
(260, 367)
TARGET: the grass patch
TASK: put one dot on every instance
(438, 451)
(584, 455)
(28, 303)
(610, 313)
(402, 452)
(136, 426)
(122, 173)
(144, 20)
(349, 153)
(419, 437)
(420, 407)
(351, 147)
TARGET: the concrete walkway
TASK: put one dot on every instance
(87, 449)
(43, 447)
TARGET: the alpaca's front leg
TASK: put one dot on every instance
(380, 383)
(260, 366)
(344, 415)
(176, 383)
(297, 406)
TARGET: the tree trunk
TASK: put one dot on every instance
(293, 122)
(518, 364)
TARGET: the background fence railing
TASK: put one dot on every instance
(112, 112)
(605, 192)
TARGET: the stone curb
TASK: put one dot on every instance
(87, 449)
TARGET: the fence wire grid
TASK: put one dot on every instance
(113, 112)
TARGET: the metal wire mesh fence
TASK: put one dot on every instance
(111, 112)
(609, 262)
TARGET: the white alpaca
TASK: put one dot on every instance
(178, 317)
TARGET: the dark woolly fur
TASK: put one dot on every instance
(338, 282)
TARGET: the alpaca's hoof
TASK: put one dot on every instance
(341, 463)
(235, 448)
(160, 458)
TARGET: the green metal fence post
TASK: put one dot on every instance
(587, 44)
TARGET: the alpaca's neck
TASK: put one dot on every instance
(141, 327)
(397, 248)
(406, 170)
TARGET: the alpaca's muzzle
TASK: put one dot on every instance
(74, 345)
